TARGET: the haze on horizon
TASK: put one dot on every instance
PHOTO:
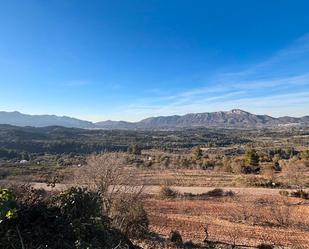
(132, 59)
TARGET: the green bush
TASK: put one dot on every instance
(79, 203)
(251, 158)
(70, 220)
(8, 206)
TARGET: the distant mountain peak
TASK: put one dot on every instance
(232, 118)
(238, 111)
(19, 119)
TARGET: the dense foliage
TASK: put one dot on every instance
(70, 220)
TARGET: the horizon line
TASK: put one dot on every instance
(106, 120)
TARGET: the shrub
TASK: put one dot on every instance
(207, 164)
(25, 194)
(237, 164)
(34, 223)
(284, 193)
(175, 237)
(217, 192)
(257, 181)
(250, 169)
(304, 155)
(204, 196)
(300, 194)
(229, 193)
(197, 153)
(134, 149)
(79, 203)
(190, 244)
(191, 196)
(167, 193)
(281, 213)
(265, 246)
(227, 165)
(56, 223)
(8, 206)
(129, 216)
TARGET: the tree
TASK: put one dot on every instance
(252, 158)
(134, 149)
(25, 156)
(119, 191)
(295, 172)
(197, 153)
(107, 174)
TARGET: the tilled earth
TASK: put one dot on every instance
(246, 219)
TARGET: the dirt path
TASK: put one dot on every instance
(154, 189)
(200, 190)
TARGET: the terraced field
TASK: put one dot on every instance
(248, 219)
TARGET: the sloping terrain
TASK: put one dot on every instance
(20, 119)
(234, 118)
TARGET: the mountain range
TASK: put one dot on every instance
(233, 118)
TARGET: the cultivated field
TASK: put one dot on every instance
(224, 191)
(248, 219)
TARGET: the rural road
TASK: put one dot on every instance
(154, 189)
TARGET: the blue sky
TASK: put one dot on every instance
(130, 59)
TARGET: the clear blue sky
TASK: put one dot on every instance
(130, 59)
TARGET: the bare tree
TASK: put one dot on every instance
(243, 210)
(295, 171)
(281, 212)
(107, 173)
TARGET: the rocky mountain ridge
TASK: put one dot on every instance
(232, 118)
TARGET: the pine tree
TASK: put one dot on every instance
(251, 158)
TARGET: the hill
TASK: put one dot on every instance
(20, 119)
(235, 118)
